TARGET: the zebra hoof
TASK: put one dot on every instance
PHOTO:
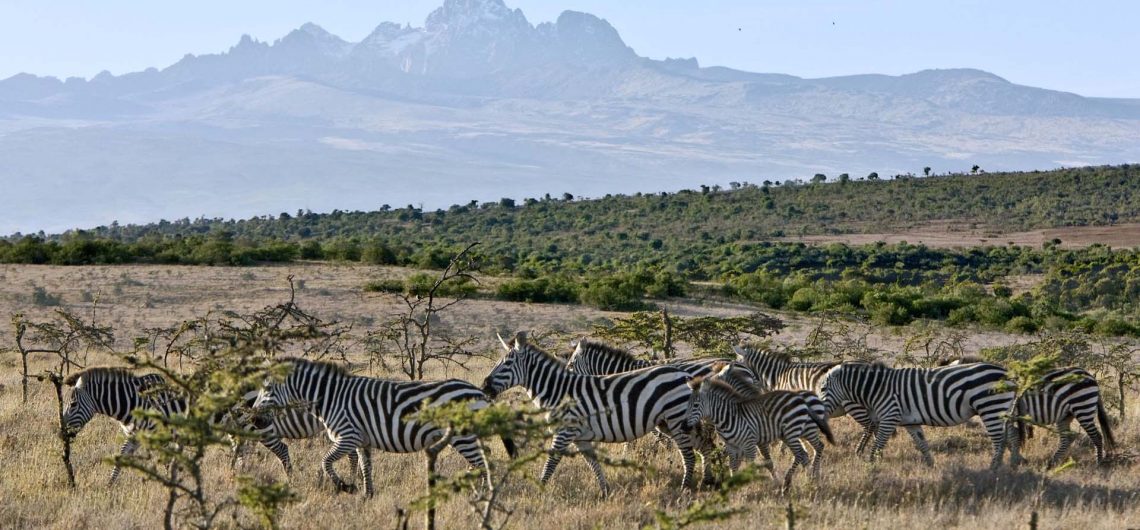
(346, 488)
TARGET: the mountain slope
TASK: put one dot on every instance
(480, 104)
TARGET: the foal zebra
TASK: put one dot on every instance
(912, 397)
(748, 420)
(117, 392)
(613, 408)
(779, 372)
(1061, 396)
(363, 412)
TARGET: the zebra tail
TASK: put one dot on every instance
(823, 426)
(509, 445)
(1102, 417)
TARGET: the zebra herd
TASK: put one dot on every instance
(602, 394)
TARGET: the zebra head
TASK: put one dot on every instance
(693, 416)
(82, 405)
(765, 364)
(509, 372)
(833, 392)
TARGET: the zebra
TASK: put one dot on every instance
(364, 412)
(912, 397)
(291, 422)
(778, 371)
(589, 409)
(118, 392)
(595, 358)
(1059, 397)
(749, 419)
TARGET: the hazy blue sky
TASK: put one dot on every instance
(1091, 48)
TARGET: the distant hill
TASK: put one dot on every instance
(481, 104)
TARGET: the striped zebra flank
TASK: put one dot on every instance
(362, 413)
(589, 409)
(117, 393)
(913, 397)
(749, 419)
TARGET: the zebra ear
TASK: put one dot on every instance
(520, 340)
(695, 382)
(738, 350)
(503, 342)
(72, 379)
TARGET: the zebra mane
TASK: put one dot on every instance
(321, 366)
(750, 350)
(733, 389)
(106, 373)
(600, 348)
(538, 352)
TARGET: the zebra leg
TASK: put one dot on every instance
(817, 459)
(340, 449)
(470, 449)
(1067, 436)
(591, 457)
(1001, 432)
(128, 449)
(558, 447)
(279, 449)
(919, 438)
(801, 460)
(889, 419)
(364, 456)
(1088, 423)
(767, 454)
(863, 418)
(684, 442)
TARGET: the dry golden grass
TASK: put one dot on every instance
(899, 491)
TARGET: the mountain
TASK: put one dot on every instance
(478, 104)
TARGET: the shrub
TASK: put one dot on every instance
(614, 293)
(557, 289)
(384, 286)
(41, 297)
(1021, 325)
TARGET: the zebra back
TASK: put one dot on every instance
(780, 372)
(595, 358)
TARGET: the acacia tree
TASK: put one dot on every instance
(414, 338)
(660, 333)
(63, 336)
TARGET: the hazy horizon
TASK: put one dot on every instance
(1055, 45)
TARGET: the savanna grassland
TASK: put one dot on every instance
(959, 491)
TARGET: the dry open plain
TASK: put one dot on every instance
(897, 492)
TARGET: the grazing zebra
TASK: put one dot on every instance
(363, 412)
(613, 408)
(1061, 396)
(292, 422)
(117, 392)
(912, 397)
(749, 419)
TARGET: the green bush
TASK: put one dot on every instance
(615, 293)
(1022, 325)
(544, 290)
(384, 286)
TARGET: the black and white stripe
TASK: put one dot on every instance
(912, 397)
(778, 371)
(273, 427)
(1061, 396)
(749, 419)
(361, 413)
(117, 392)
(589, 409)
(595, 358)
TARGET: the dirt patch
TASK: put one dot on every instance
(953, 234)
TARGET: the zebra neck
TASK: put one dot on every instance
(548, 385)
